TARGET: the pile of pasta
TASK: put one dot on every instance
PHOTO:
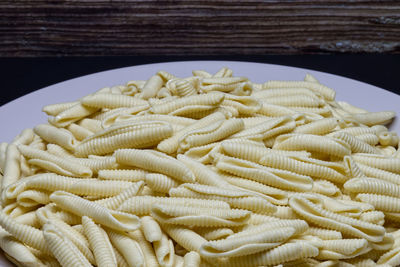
(207, 170)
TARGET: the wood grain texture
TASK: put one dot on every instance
(148, 27)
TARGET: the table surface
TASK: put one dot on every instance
(197, 27)
(24, 75)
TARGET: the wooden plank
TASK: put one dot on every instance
(148, 27)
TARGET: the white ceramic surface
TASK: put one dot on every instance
(25, 112)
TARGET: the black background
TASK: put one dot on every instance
(20, 76)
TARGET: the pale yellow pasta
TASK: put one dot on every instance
(165, 251)
(236, 198)
(192, 259)
(81, 207)
(155, 161)
(374, 216)
(284, 212)
(356, 145)
(245, 105)
(146, 248)
(29, 218)
(209, 134)
(327, 219)
(62, 248)
(212, 233)
(299, 100)
(318, 127)
(151, 87)
(368, 138)
(138, 135)
(380, 174)
(30, 198)
(99, 243)
(11, 169)
(78, 131)
(59, 151)
(377, 161)
(181, 87)
(324, 234)
(342, 249)
(388, 139)
(54, 109)
(111, 101)
(123, 175)
(91, 124)
(374, 118)
(372, 186)
(244, 149)
(326, 188)
(151, 229)
(278, 178)
(115, 201)
(25, 137)
(201, 73)
(71, 115)
(129, 248)
(59, 136)
(274, 92)
(381, 202)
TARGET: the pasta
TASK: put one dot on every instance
(207, 170)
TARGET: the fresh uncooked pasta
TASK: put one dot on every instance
(205, 170)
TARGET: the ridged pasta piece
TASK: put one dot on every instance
(342, 249)
(71, 115)
(151, 230)
(236, 198)
(31, 198)
(274, 160)
(281, 254)
(165, 251)
(201, 73)
(376, 217)
(63, 166)
(173, 107)
(79, 206)
(275, 110)
(374, 118)
(327, 219)
(122, 175)
(11, 168)
(273, 195)
(388, 139)
(212, 233)
(98, 163)
(29, 218)
(3, 149)
(203, 174)
(283, 212)
(55, 109)
(313, 143)
(209, 134)
(274, 92)
(278, 178)
(195, 216)
(111, 101)
(377, 161)
(62, 248)
(151, 87)
(170, 145)
(99, 242)
(369, 138)
(267, 129)
(59, 136)
(114, 202)
(192, 259)
(91, 124)
(380, 174)
(24, 233)
(246, 245)
(59, 151)
(326, 188)
(146, 248)
(317, 88)
(352, 168)
(245, 105)
(381, 202)
(390, 258)
(129, 248)
(318, 127)
(356, 145)
(185, 237)
(324, 234)
(78, 131)
(372, 186)
(166, 76)
(244, 149)
(24, 138)
(155, 161)
(299, 100)
(181, 87)
(136, 135)
(141, 205)
(160, 182)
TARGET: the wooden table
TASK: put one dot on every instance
(190, 27)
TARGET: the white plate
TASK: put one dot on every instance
(25, 112)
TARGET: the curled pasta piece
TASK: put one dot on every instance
(78, 131)
(81, 207)
(185, 237)
(171, 144)
(376, 217)
(129, 248)
(24, 138)
(374, 118)
(245, 105)
(165, 251)
(267, 129)
(376, 161)
(352, 168)
(391, 258)
(236, 198)
(11, 169)
(380, 202)
(136, 135)
(212, 233)
(71, 115)
(324, 234)
(274, 92)
(326, 188)
(327, 219)
(299, 101)
(380, 174)
(63, 166)
(99, 242)
(62, 248)
(313, 143)
(356, 145)
(192, 259)
(181, 87)
(151, 230)
(372, 186)
(244, 149)
(274, 160)
(111, 101)
(115, 201)
(342, 249)
(196, 216)
(211, 133)
(245, 245)
(31, 198)
(318, 127)
(281, 254)
(160, 182)
(388, 139)
(54, 109)
(317, 88)
(56, 135)
(152, 86)
(142, 205)
(123, 175)
(273, 177)
(155, 161)
(150, 258)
